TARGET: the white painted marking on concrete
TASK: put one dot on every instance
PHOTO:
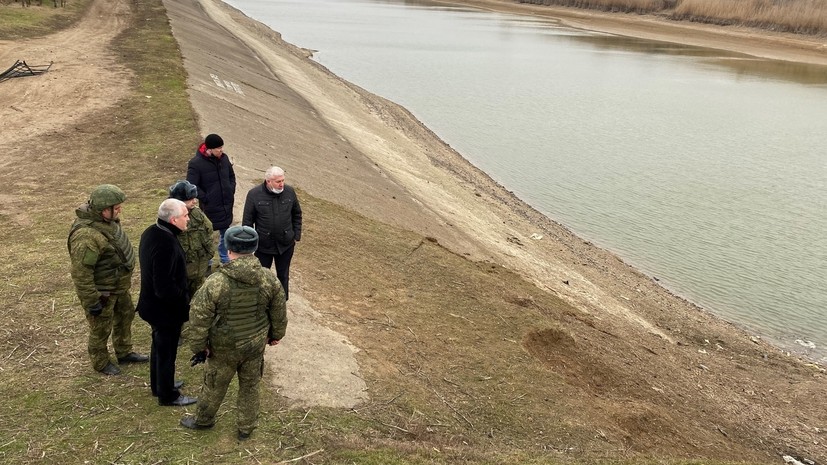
(228, 85)
(217, 81)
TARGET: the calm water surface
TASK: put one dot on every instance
(703, 168)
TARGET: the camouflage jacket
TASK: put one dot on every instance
(197, 240)
(102, 256)
(238, 309)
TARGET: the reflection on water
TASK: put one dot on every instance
(740, 64)
(704, 168)
(632, 44)
(775, 69)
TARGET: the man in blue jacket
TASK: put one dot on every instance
(164, 301)
(273, 209)
(212, 173)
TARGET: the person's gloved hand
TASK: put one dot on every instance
(200, 357)
(96, 310)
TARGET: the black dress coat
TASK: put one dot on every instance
(164, 299)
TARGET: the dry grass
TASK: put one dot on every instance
(38, 19)
(797, 16)
(624, 6)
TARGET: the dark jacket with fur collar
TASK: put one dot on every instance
(164, 298)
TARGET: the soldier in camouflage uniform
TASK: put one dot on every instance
(238, 311)
(197, 240)
(102, 263)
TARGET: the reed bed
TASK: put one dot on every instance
(796, 16)
(624, 6)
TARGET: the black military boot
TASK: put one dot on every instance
(180, 401)
(133, 357)
(190, 422)
(110, 369)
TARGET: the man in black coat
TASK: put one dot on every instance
(273, 209)
(211, 171)
(164, 300)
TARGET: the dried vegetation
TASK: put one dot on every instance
(796, 16)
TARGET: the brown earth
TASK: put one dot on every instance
(635, 361)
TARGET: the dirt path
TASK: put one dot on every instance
(84, 76)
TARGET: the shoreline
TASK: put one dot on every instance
(592, 291)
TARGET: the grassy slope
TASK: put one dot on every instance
(420, 314)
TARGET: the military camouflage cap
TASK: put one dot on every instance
(105, 196)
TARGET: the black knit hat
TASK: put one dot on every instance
(213, 141)
(241, 239)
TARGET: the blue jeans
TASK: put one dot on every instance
(222, 249)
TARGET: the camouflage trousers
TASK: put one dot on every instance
(194, 283)
(116, 319)
(218, 372)
(196, 274)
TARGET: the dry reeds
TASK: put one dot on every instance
(624, 6)
(797, 16)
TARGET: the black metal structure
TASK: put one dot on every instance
(20, 69)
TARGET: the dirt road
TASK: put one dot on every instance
(84, 77)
